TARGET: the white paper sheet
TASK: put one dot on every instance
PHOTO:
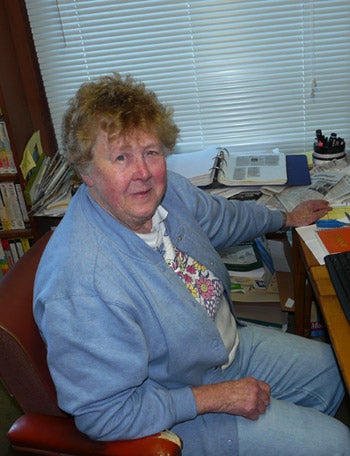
(309, 236)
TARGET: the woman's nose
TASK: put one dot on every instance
(142, 170)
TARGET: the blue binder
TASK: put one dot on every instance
(297, 170)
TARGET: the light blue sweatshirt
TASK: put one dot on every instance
(125, 338)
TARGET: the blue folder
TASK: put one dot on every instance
(297, 170)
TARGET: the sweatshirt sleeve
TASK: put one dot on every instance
(99, 361)
(226, 222)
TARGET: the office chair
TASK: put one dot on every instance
(45, 429)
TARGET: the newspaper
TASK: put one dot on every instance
(330, 182)
(55, 188)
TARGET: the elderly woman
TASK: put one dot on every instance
(133, 301)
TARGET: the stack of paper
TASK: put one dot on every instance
(51, 186)
(261, 306)
(246, 267)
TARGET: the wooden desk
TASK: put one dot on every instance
(306, 269)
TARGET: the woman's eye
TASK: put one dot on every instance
(152, 152)
(120, 158)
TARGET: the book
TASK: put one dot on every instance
(11, 203)
(4, 267)
(335, 239)
(242, 257)
(7, 163)
(196, 166)
(14, 251)
(7, 253)
(250, 169)
(261, 306)
(231, 167)
(265, 314)
(22, 205)
(32, 188)
(19, 247)
(297, 170)
(26, 243)
(246, 265)
(5, 223)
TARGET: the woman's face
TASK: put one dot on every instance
(127, 177)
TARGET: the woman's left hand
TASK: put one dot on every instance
(307, 212)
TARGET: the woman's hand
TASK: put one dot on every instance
(247, 397)
(307, 212)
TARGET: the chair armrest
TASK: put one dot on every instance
(50, 435)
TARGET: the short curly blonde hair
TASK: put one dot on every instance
(119, 106)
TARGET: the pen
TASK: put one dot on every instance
(331, 223)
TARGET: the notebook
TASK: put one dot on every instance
(231, 168)
(335, 239)
(297, 170)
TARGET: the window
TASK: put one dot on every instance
(236, 72)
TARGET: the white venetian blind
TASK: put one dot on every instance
(236, 72)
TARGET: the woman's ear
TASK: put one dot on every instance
(87, 179)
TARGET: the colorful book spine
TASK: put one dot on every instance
(7, 163)
(26, 244)
(7, 253)
(22, 205)
(4, 216)
(4, 267)
(11, 250)
(10, 200)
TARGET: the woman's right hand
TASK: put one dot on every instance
(247, 397)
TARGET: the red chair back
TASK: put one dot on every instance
(23, 366)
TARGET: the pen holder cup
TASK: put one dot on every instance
(324, 154)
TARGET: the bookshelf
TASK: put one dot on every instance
(22, 100)
(15, 228)
(23, 103)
